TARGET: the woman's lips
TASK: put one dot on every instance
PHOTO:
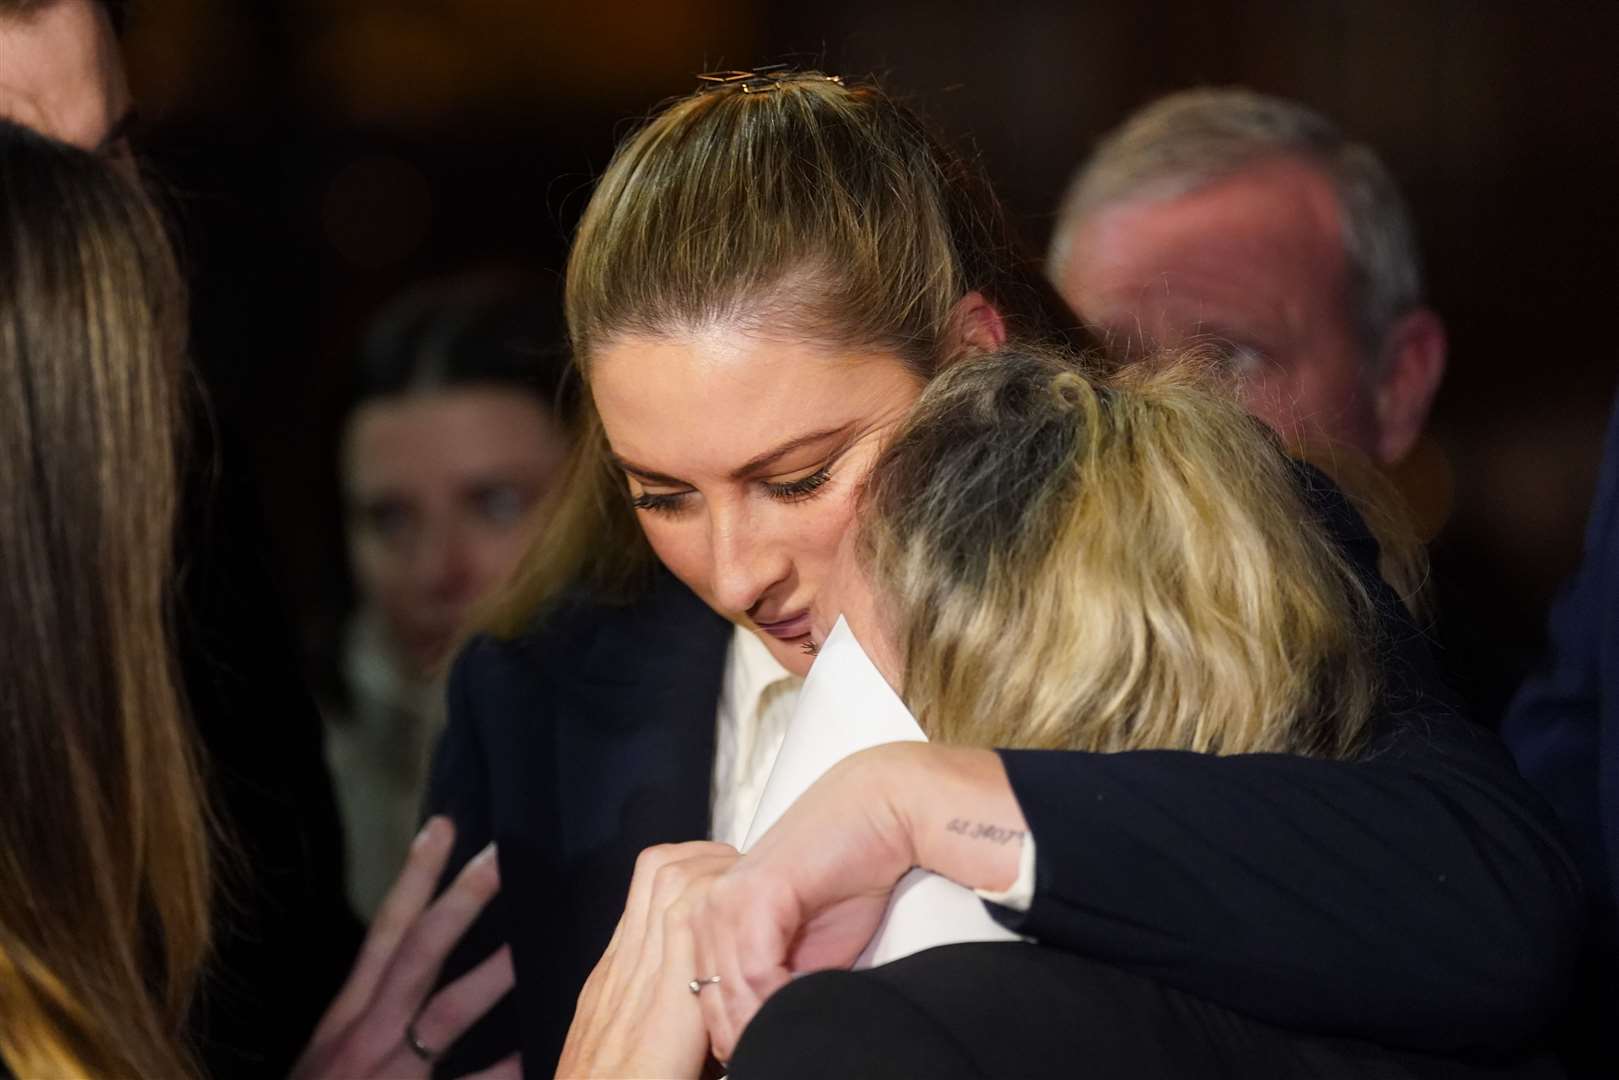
(787, 629)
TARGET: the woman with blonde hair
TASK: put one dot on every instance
(769, 273)
(1046, 560)
(110, 861)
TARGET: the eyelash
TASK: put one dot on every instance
(796, 491)
(658, 504)
(802, 488)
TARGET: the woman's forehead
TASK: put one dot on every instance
(712, 400)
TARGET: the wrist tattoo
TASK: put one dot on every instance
(978, 830)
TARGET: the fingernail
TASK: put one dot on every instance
(426, 834)
(486, 855)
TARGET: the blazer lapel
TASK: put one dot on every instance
(634, 728)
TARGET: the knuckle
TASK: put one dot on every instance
(670, 880)
(652, 859)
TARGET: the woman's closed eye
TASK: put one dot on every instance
(660, 502)
(789, 491)
(802, 488)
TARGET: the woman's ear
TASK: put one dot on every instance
(976, 325)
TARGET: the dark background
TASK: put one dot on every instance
(322, 153)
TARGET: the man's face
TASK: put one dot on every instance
(1254, 263)
(61, 74)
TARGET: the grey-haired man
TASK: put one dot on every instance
(1253, 224)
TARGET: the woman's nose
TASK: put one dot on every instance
(444, 567)
(746, 562)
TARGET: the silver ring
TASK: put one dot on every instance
(417, 1047)
(696, 985)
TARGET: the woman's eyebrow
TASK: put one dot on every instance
(651, 476)
(764, 461)
(752, 468)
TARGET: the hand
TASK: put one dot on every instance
(812, 892)
(637, 1015)
(809, 895)
(363, 1032)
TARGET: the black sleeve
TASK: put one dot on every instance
(1419, 896)
(1418, 899)
(458, 787)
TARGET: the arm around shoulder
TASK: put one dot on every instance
(1419, 898)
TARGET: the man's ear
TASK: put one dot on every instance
(976, 325)
(1411, 366)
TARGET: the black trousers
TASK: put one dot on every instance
(1014, 1010)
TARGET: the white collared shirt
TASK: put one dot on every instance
(757, 699)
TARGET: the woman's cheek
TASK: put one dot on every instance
(681, 552)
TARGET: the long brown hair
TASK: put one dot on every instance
(810, 208)
(104, 870)
(1112, 562)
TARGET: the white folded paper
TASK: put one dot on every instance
(846, 706)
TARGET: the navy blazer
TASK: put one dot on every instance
(1563, 726)
(1418, 897)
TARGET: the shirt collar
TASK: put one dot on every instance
(754, 669)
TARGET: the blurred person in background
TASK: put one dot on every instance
(113, 855)
(286, 937)
(1254, 223)
(457, 429)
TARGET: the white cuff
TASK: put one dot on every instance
(1020, 894)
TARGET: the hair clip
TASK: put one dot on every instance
(760, 80)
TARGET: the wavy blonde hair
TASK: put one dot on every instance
(1119, 561)
(817, 210)
(104, 864)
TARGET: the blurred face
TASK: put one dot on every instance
(61, 75)
(439, 486)
(1256, 262)
(743, 456)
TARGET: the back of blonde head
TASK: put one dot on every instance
(813, 211)
(1111, 563)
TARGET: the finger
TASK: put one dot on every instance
(630, 933)
(679, 957)
(648, 865)
(677, 887)
(400, 908)
(661, 874)
(707, 955)
(743, 943)
(417, 960)
(506, 1069)
(676, 1019)
(458, 1006)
